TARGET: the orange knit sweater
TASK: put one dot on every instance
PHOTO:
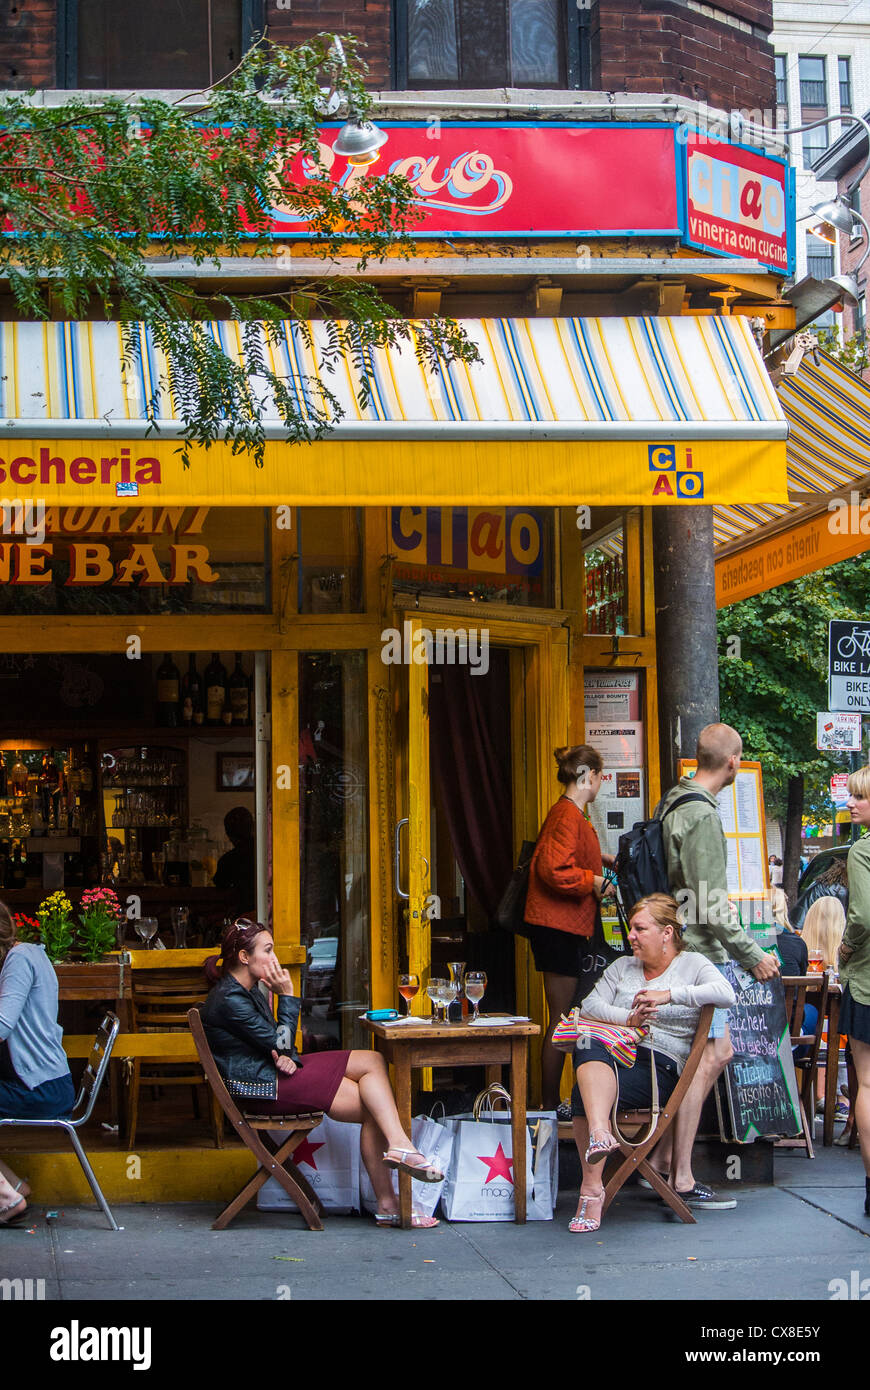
(561, 877)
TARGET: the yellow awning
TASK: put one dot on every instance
(558, 412)
(828, 412)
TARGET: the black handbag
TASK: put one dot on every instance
(510, 913)
(598, 956)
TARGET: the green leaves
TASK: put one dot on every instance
(94, 190)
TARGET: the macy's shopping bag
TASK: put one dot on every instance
(436, 1142)
(480, 1185)
(329, 1158)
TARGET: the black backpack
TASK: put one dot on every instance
(641, 862)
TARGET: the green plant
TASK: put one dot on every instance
(54, 915)
(99, 914)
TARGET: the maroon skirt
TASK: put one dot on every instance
(311, 1087)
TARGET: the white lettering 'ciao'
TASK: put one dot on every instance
(76, 1343)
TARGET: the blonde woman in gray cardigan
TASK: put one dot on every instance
(662, 985)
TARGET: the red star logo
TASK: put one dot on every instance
(499, 1165)
(304, 1152)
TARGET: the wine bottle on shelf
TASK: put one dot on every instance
(238, 694)
(2, 774)
(215, 680)
(18, 777)
(191, 694)
(168, 693)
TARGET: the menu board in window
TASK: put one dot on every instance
(741, 811)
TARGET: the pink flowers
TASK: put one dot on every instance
(94, 899)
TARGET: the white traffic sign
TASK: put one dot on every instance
(849, 665)
(838, 733)
(840, 789)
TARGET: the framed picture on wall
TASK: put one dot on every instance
(235, 772)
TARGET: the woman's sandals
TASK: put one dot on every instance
(583, 1222)
(599, 1148)
(423, 1172)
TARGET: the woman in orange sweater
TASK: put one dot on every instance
(565, 887)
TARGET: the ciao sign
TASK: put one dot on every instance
(495, 540)
(738, 202)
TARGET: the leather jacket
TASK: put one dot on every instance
(242, 1035)
(812, 895)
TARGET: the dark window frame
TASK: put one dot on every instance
(845, 82)
(66, 63)
(575, 33)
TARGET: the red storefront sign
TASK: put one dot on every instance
(739, 203)
(484, 179)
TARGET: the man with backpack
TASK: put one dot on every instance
(695, 849)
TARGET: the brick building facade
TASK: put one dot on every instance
(719, 54)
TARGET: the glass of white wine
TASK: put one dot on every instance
(146, 927)
(475, 988)
(433, 989)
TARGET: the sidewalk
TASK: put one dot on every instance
(785, 1242)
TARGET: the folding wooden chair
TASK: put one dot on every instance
(276, 1161)
(797, 989)
(635, 1159)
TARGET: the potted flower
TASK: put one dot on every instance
(99, 916)
(26, 928)
(56, 926)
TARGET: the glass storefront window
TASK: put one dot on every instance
(330, 565)
(111, 560)
(333, 831)
(490, 554)
(604, 570)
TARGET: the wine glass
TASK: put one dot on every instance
(449, 991)
(433, 989)
(146, 927)
(408, 987)
(475, 988)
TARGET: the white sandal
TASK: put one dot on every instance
(423, 1172)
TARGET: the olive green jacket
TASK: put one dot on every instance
(856, 972)
(697, 862)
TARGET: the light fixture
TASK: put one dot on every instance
(848, 284)
(359, 142)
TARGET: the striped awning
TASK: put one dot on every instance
(828, 412)
(558, 411)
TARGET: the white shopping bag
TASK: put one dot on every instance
(328, 1157)
(480, 1185)
(436, 1142)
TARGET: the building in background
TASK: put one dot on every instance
(822, 57)
(841, 164)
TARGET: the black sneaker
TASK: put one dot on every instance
(703, 1198)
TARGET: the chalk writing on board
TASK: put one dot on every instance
(760, 1081)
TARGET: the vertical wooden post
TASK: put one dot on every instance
(285, 800)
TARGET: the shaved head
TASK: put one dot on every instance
(716, 744)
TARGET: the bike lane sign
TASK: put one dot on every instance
(849, 665)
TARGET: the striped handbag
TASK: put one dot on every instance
(621, 1042)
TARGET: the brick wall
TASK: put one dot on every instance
(664, 46)
(27, 43)
(638, 45)
(852, 251)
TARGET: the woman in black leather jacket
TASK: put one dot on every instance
(258, 1061)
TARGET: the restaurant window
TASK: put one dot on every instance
(164, 44)
(112, 560)
(333, 848)
(814, 105)
(605, 578)
(820, 257)
(844, 70)
(485, 554)
(490, 43)
(330, 563)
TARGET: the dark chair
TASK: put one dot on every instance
(799, 991)
(92, 1080)
(276, 1161)
(635, 1158)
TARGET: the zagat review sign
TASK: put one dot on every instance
(123, 558)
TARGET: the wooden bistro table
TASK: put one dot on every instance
(424, 1044)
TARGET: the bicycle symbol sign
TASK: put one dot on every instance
(849, 665)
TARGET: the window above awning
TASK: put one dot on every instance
(828, 452)
(559, 411)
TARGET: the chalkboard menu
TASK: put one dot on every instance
(760, 1081)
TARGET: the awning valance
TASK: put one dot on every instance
(828, 412)
(558, 411)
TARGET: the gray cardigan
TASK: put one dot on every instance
(28, 1016)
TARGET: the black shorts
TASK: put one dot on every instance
(557, 952)
(635, 1083)
(854, 1018)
